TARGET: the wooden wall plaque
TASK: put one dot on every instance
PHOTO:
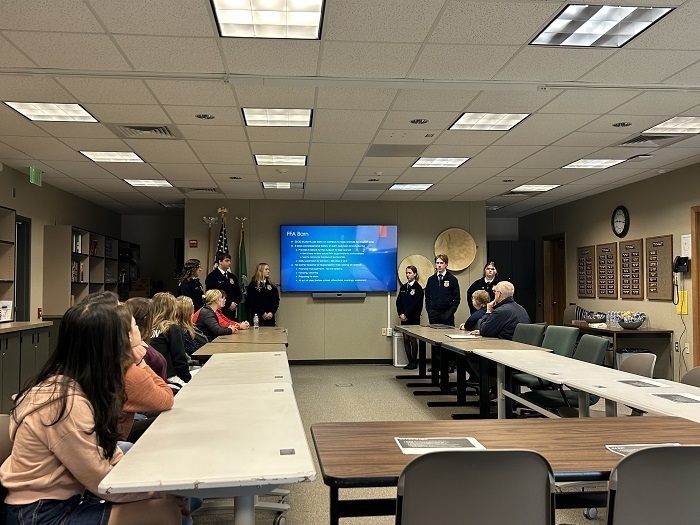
(585, 274)
(659, 255)
(631, 269)
(606, 262)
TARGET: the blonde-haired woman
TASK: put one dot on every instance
(207, 320)
(184, 313)
(167, 336)
(263, 298)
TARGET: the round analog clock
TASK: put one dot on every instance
(620, 221)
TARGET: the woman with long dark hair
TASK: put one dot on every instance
(189, 283)
(65, 424)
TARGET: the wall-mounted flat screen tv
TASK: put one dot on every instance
(338, 258)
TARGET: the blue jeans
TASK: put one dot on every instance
(78, 510)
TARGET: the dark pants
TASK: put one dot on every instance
(441, 317)
(410, 344)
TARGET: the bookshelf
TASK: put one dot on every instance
(7, 264)
(78, 262)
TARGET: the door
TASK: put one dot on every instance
(554, 279)
(23, 246)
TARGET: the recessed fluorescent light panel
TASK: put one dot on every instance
(293, 118)
(283, 185)
(149, 183)
(410, 187)
(493, 208)
(489, 121)
(52, 112)
(598, 25)
(677, 125)
(280, 160)
(534, 188)
(594, 164)
(112, 156)
(299, 19)
(439, 162)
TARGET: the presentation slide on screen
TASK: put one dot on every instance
(338, 258)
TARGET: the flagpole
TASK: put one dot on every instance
(242, 271)
(209, 221)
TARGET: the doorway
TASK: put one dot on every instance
(554, 279)
(23, 253)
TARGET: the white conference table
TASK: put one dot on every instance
(241, 369)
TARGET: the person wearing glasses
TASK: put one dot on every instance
(487, 282)
(442, 294)
(503, 314)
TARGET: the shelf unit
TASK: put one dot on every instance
(81, 262)
(7, 261)
(129, 266)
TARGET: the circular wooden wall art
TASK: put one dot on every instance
(425, 267)
(459, 247)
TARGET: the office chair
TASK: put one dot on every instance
(569, 314)
(655, 485)
(562, 341)
(692, 377)
(591, 349)
(529, 334)
(476, 486)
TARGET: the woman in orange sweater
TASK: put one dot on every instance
(64, 426)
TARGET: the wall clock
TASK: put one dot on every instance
(620, 221)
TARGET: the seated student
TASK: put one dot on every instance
(193, 339)
(210, 320)
(502, 314)
(167, 337)
(140, 308)
(145, 391)
(64, 428)
(480, 299)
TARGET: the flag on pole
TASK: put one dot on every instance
(222, 244)
(242, 277)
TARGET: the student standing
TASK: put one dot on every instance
(190, 285)
(263, 297)
(222, 278)
(487, 282)
(442, 294)
(409, 305)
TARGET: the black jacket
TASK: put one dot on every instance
(502, 321)
(443, 297)
(409, 301)
(267, 299)
(172, 346)
(480, 284)
(192, 288)
(228, 284)
(209, 324)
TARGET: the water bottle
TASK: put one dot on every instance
(256, 322)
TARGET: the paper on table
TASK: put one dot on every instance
(626, 450)
(680, 398)
(439, 326)
(644, 383)
(462, 336)
(418, 446)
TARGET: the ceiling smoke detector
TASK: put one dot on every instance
(419, 121)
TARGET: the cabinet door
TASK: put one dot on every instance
(43, 348)
(10, 366)
(34, 352)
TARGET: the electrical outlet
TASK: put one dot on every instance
(389, 332)
(677, 346)
(686, 347)
(383, 331)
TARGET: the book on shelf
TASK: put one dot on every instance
(93, 247)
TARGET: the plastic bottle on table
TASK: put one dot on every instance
(256, 322)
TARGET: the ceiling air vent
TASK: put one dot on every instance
(200, 190)
(146, 132)
(652, 140)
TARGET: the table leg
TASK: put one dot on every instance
(333, 511)
(421, 367)
(610, 408)
(500, 380)
(584, 404)
(244, 510)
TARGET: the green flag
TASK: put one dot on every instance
(242, 277)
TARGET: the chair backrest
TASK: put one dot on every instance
(560, 340)
(655, 485)
(692, 377)
(476, 486)
(569, 314)
(641, 364)
(591, 349)
(529, 334)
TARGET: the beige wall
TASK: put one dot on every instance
(657, 206)
(48, 205)
(346, 328)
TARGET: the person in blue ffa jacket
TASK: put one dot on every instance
(222, 278)
(487, 282)
(442, 294)
(189, 283)
(409, 305)
(263, 297)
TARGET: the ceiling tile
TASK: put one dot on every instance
(231, 133)
(162, 150)
(28, 88)
(438, 100)
(448, 190)
(597, 140)
(374, 179)
(502, 156)
(76, 129)
(228, 169)
(43, 148)
(131, 170)
(543, 129)
(190, 92)
(7, 152)
(455, 62)
(149, 53)
(69, 185)
(604, 124)
(561, 176)
(281, 57)
(70, 50)
(648, 66)
(364, 60)
(374, 172)
(677, 30)
(552, 63)
(128, 114)
(11, 57)
(458, 151)
(222, 116)
(81, 170)
(555, 157)
(12, 123)
(273, 148)
(659, 103)
(463, 137)
(221, 152)
(95, 144)
(362, 195)
(277, 134)
(594, 101)
(470, 174)
(324, 188)
(436, 120)
(499, 101)
(346, 126)
(336, 154)
(242, 187)
(282, 173)
(108, 90)
(519, 174)
(329, 174)
(690, 75)
(420, 175)
(109, 185)
(174, 172)
(204, 182)
(388, 162)
(354, 98)
(69, 15)
(404, 136)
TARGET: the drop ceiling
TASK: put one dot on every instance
(377, 66)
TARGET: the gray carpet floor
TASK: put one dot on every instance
(355, 393)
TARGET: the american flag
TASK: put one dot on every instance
(222, 244)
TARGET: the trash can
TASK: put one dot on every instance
(400, 359)
(624, 353)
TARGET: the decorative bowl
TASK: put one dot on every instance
(592, 319)
(631, 325)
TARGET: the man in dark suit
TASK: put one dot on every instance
(442, 294)
(222, 278)
(502, 314)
